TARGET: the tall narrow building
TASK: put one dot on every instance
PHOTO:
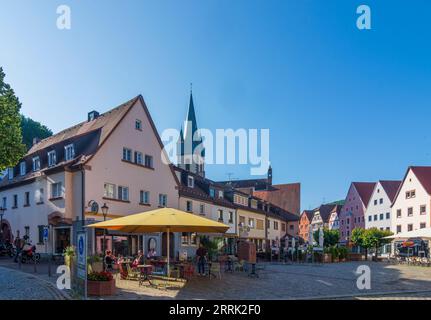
(190, 148)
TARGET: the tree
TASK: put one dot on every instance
(11, 146)
(358, 238)
(330, 237)
(33, 129)
(375, 238)
(370, 238)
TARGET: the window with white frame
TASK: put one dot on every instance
(220, 194)
(230, 216)
(138, 124)
(52, 158)
(27, 199)
(127, 154)
(148, 161)
(190, 182)
(251, 222)
(138, 157)
(109, 190)
(275, 225)
(4, 203)
(189, 206)
(36, 163)
(202, 208)
(144, 197)
(39, 196)
(220, 214)
(123, 193)
(163, 200)
(423, 209)
(56, 191)
(22, 168)
(69, 152)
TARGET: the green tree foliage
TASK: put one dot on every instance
(11, 146)
(330, 237)
(33, 129)
(370, 238)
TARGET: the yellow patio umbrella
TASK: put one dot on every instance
(162, 220)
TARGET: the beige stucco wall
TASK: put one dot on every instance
(254, 232)
(107, 167)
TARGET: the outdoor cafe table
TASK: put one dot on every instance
(145, 271)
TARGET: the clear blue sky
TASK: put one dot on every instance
(341, 104)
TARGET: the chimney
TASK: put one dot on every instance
(92, 115)
(36, 140)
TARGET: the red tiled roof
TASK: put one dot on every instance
(390, 187)
(106, 122)
(365, 190)
(424, 176)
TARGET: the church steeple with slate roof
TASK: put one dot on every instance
(190, 143)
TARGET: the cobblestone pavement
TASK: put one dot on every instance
(303, 281)
(17, 285)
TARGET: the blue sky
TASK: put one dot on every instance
(341, 104)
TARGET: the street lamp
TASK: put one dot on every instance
(2, 210)
(104, 212)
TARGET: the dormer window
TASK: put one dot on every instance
(69, 152)
(52, 158)
(220, 194)
(138, 124)
(10, 173)
(36, 163)
(212, 193)
(22, 168)
(190, 182)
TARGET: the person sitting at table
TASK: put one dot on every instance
(139, 260)
(120, 259)
(109, 260)
(151, 254)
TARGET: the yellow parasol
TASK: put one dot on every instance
(162, 220)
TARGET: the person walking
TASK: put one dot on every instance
(19, 244)
(201, 254)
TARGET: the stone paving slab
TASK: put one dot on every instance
(16, 285)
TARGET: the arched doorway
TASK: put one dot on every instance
(7, 231)
(171, 245)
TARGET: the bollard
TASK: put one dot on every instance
(19, 260)
(49, 265)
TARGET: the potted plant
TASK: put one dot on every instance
(327, 255)
(343, 252)
(100, 284)
(335, 254)
(69, 253)
(95, 262)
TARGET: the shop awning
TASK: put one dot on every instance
(424, 233)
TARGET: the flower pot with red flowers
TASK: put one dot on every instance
(101, 284)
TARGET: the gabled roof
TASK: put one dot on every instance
(325, 211)
(106, 122)
(365, 190)
(423, 174)
(309, 213)
(390, 187)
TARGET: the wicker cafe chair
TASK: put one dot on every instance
(132, 274)
(216, 269)
(189, 271)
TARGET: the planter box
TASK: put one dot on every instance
(336, 260)
(101, 288)
(327, 258)
(343, 260)
(355, 257)
(97, 266)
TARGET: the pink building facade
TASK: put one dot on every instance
(353, 212)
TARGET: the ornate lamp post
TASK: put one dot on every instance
(105, 209)
(2, 210)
